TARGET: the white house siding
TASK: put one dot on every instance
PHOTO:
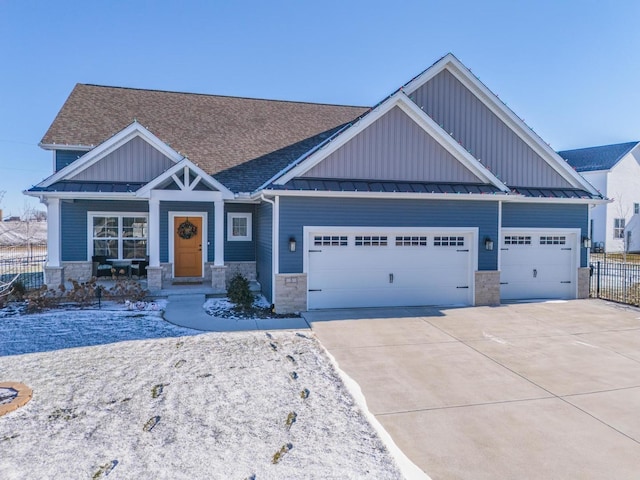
(623, 186)
(598, 213)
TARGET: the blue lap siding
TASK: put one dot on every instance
(264, 252)
(541, 215)
(296, 212)
(239, 251)
(74, 228)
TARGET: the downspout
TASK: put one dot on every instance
(275, 227)
(499, 239)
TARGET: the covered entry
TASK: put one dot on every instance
(377, 267)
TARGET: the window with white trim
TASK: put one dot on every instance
(618, 227)
(119, 236)
(238, 226)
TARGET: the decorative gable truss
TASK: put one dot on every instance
(184, 181)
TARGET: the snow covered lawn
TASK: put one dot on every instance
(253, 405)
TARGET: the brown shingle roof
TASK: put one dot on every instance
(215, 132)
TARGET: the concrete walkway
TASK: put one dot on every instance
(526, 391)
(185, 310)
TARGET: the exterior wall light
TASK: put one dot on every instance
(292, 244)
(488, 244)
(586, 242)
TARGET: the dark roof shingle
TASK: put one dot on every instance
(596, 158)
(217, 133)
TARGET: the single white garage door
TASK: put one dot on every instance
(382, 268)
(538, 264)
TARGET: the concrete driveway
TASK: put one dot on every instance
(529, 390)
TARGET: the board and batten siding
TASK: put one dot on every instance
(135, 161)
(166, 229)
(66, 157)
(459, 112)
(296, 212)
(264, 251)
(74, 228)
(540, 215)
(394, 147)
(245, 250)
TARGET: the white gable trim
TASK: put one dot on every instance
(183, 167)
(504, 113)
(400, 100)
(109, 146)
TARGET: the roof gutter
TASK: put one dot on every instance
(491, 197)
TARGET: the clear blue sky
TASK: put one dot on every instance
(571, 69)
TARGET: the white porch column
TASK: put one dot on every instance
(153, 234)
(53, 232)
(218, 246)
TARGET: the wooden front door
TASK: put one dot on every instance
(187, 244)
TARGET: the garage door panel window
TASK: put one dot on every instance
(411, 241)
(371, 241)
(330, 241)
(553, 240)
(448, 241)
(517, 240)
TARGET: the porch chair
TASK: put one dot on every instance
(101, 268)
(139, 267)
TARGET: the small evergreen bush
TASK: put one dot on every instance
(239, 292)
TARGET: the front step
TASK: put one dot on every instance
(187, 281)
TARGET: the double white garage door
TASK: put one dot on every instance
(390, 267)
(408, 267)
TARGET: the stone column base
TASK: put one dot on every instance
(584, 279)
(290, 292)
(487, 288)
(219, 278)
(54, 276)
(154, 278)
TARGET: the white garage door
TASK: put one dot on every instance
(538, 264)
(389, 268)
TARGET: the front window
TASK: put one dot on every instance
(618, 227)
(239, 226)
(119, 236)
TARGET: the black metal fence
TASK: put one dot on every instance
(25, 261)
(615, 280)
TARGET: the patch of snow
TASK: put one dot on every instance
(215, 405)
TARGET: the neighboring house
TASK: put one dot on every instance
(437, 195)
(615, 171)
